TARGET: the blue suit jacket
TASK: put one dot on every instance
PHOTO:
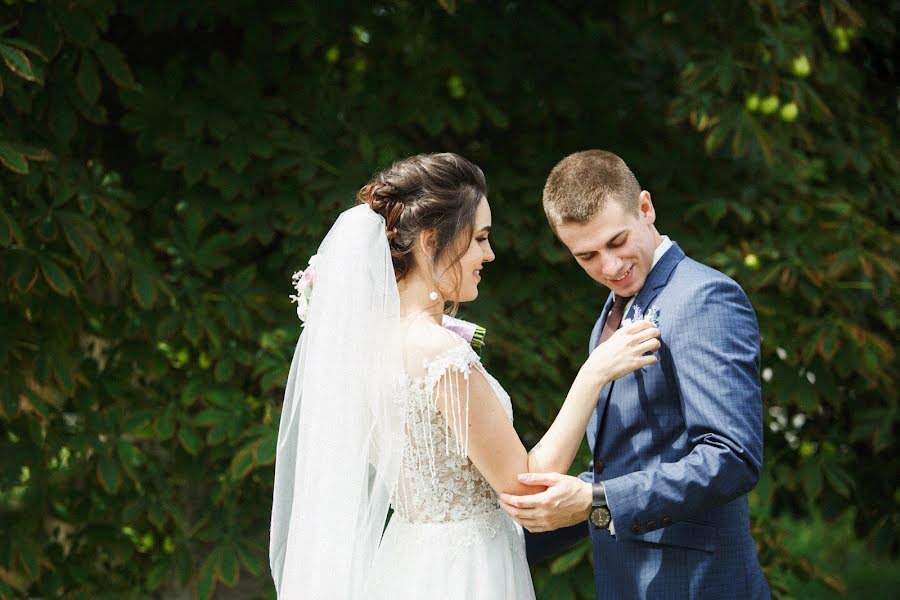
(679, 444)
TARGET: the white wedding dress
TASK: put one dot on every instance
(361, 432)
(447, 537)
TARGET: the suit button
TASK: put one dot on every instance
(667, 520)
(636, 528)
(651, 525)
(598, 467)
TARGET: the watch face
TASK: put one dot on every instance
(600, 517)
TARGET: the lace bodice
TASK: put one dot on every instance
(438, 483)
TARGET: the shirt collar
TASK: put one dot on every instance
(663, 247)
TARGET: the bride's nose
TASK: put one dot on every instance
(488, 255)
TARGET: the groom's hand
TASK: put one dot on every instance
(566, 501)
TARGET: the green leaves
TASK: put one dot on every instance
(17, 62)
(15, 156)
(80, 233)
(148, 233)
(250, 554)
(142, 287)
(222, 424)
(114, 64)
(156, 576)
(189, 439)
(79, 26)
(14, 53)
(220, 565)
(260, 452)
(108, 474)
(9, 399)
(13, 159)
(88, 78)
(569, 559)
(56, 277)
(131, 458)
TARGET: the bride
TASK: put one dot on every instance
(387, 408)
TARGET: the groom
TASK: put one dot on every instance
(677, 445)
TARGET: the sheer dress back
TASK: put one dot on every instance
(447, 537)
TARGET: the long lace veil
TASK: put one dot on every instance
(339, 439)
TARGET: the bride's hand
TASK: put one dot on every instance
(627, 350)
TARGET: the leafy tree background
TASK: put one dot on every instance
(165, 166)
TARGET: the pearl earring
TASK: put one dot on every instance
(433, 296)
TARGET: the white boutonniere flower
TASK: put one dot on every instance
(652, 315)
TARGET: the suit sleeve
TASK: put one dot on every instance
(711, 361)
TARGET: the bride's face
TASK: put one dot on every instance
(459, 282)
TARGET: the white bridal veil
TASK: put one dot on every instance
(340, 436)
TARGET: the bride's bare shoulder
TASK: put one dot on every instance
(425, 338)
(425, 341)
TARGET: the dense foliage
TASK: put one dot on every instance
(165, 166)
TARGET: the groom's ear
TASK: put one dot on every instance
(645, 206)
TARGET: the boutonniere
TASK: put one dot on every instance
(303, 284)
(651, 315)
(472, 333)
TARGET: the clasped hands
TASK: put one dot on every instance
(566, 501)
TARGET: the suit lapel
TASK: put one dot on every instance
(656, 280)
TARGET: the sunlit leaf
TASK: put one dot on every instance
(17, 62)
(219, 433)
(56, 277)
(190, 441)
(265, 454)
(243, 462)
(13, 159)
(27, 46)
(211, 417)
(80, 233)
(10, 231)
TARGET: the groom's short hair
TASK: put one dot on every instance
(581, 184)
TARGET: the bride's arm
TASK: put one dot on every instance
(492, 442)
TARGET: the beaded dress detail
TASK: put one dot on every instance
(438, 483)
(447, 533)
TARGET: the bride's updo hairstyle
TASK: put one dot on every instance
(437, 193)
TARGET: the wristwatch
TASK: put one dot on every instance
(600, 517)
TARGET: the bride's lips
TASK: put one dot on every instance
(477, 275)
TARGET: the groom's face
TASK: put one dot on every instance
(616, 246)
